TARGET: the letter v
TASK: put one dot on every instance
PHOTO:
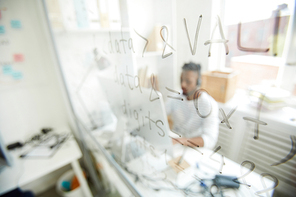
(193, 50)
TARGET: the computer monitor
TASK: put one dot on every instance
(147, 118)
(142, 110)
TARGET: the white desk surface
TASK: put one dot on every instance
(25, 170)
(208, 168)
(205, 165)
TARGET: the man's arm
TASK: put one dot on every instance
(171, 122)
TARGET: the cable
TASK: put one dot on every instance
(145, 180)
(188, 190)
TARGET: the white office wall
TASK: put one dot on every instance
(36, 99)
(191, 10)
(144, 17)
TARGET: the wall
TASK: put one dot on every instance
(191, 10)
(35, 99)
(144, 22)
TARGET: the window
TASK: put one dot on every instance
(257, 33)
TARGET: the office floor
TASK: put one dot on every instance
(51, 192)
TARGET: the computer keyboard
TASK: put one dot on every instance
(133, 151)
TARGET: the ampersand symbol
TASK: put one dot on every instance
(165, 41)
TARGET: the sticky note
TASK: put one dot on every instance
(81, 13)
(7, 70)
(16, 24)
(18, 57)
(178, 167)
(17, 75)
(2, 29)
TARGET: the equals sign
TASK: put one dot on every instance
(174, 91)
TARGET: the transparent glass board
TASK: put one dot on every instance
(186, 98)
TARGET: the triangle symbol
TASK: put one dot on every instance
(153, 89)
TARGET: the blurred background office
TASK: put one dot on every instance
(53, 54)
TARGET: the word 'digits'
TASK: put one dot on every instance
(142, 120)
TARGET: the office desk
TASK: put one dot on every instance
(25, 170)
(207, 168)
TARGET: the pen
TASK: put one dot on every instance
(58, 143)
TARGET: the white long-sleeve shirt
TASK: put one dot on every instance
(189, 124)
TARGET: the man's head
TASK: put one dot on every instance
(190, 78)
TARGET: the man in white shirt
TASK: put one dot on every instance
(195, 117)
